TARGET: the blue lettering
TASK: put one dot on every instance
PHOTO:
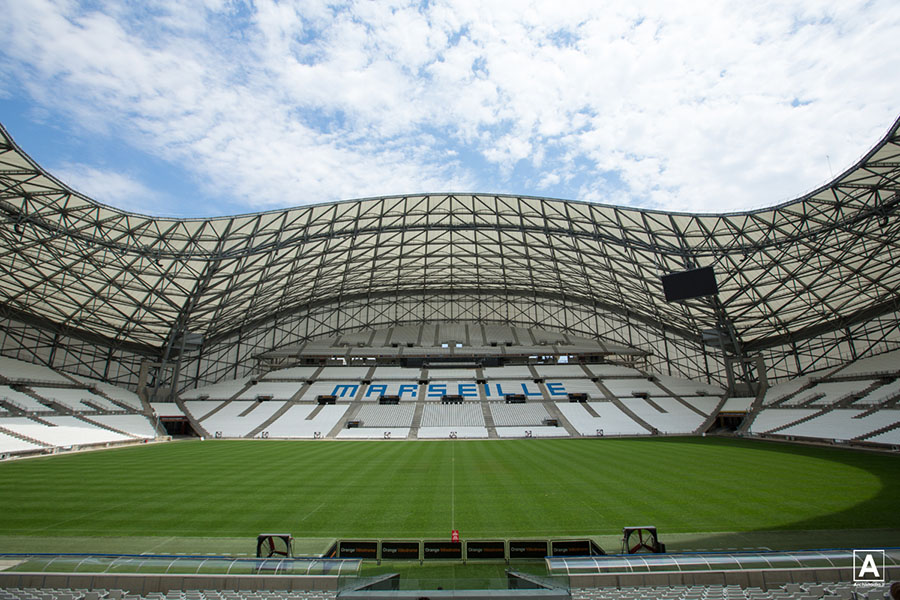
(468, 389)
(527, 393)
(436, 390)
(377, 389)
(345, 389)
(409, 388)
(556, 389)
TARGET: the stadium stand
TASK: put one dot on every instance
(136, 425)
(738, 404)
(114, 392)
(63, 431)
(785, 389)
(687, 387)
(390, 373)
(13, 444)
(76, 400)
(400, 416)
(842, 424)
(531, 431)
(21, 401)
(560, 371)
(274, 390)
(291, 373)
(626, 388)
(19, 371)
(219, 391)
(887, 363)
(609, 370)
(770, 419)
(305, 421)
(452, 415)
(607, 419)
(239, 417)
(518, 414)
(343, 373)
(667, 415)
(829, 393)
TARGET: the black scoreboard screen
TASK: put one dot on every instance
(485, 550)
(350, 549)
(689, 284)
(400, 550)
(443, 550)
(527, 549)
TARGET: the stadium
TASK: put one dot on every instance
(459, 393)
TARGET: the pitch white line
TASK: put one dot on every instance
(452, 486)
(312, 511)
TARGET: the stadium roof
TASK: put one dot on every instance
(812, 265)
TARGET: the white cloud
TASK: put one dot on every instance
(282, 103)
(111, 187)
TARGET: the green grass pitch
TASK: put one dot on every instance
(503, 489)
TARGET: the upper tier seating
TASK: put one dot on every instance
(278, 390)
(448, 374)
(223, 390)
(831, 393)
(343, 373)
(784, 389)
(626, 388)
(613, 371)
(738, 404)
(115, 392)
(76, 399)
(689, 387)
(508, 372)
(292, 373)
(560, 371)
(19, 371)
(882, 364)
(399, 373)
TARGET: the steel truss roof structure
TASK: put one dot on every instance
(99, 284)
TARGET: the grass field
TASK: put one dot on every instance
(150, 497)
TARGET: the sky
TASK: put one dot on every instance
(217, 107)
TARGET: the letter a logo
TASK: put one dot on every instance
(866, 567)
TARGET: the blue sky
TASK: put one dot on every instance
(215, 107)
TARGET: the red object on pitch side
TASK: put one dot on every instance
(454, 535)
